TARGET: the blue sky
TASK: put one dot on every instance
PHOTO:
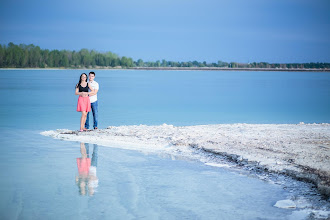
(180, 30)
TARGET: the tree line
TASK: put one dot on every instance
(222, 64)
(31, 56)
(27, 56)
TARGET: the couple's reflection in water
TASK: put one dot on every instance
(87, 180)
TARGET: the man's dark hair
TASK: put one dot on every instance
(91, 73)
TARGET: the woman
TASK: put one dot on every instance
(87, 179)
(83, 165)
(84, 105)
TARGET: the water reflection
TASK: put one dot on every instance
(87, 180)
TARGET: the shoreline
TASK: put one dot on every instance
(232, 69)
(181, 68)
(301, 151)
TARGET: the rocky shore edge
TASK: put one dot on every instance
(318, 178)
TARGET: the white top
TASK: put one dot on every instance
(94, 85)
(93, 180)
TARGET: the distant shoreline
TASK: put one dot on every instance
(182, 68)
(232, 69)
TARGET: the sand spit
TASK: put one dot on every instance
(298, 150)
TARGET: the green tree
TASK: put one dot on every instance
(64, 59)
(2, 56)
(164, 63)
(115, 62)
(140, 63)
(85, 57)
(126, 62)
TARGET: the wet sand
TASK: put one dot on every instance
(301, 150)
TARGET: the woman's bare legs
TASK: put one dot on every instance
(83, 120)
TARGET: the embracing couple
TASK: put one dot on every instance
(87, 100)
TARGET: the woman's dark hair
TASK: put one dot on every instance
(80, 79)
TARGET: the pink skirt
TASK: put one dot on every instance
(83, 165)
(84, 104)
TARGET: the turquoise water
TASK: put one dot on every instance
(172, 97)
(38, 175)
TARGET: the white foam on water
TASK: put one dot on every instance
(217, 165)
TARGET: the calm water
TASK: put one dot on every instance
(40, 178)
(172, 97)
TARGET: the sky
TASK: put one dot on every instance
(274, 31)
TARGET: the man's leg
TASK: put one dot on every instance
(95, 113)
(94, 156)
(87, 149)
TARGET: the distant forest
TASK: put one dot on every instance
(31, 56)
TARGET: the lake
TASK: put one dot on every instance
(40, 178)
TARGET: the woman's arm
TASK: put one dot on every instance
(77, 92)
(83, 94)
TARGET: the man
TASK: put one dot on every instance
(93, 99)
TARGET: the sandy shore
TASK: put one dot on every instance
(298, 150)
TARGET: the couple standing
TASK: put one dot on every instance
(87, 100)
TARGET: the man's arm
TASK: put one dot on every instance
(94, 92)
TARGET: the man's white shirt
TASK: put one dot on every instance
(94, 85)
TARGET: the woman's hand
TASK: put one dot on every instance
(84, 94)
